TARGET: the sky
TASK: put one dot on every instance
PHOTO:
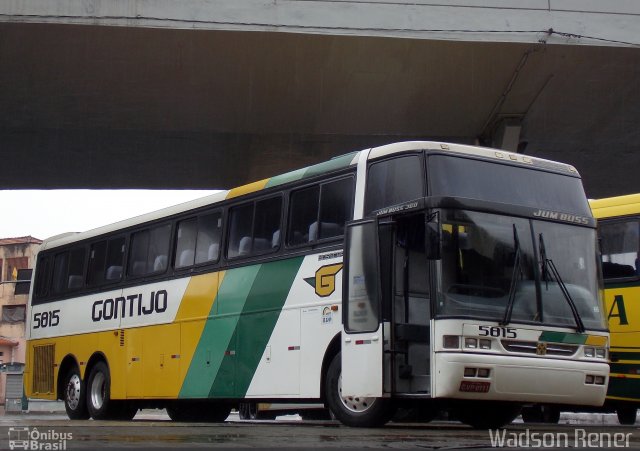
(45, 213)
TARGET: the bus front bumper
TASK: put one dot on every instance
(520, 379)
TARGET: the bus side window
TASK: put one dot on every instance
(320, 212)
(97, 256)
(75, 278)
(150, 251)
(620, 248)
(60, 264)
(302, 214)
(266, 225)
(43, 277)
(115, 259)
(186, 243)
(209, 236)
(254, 228)
(240, 223)
(336, 207)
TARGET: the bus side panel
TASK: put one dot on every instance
(291, 364)
(258, 316)
(82, 347)
(250, 299)
(197, 307)
(623, 311)
(218, 333)
(278, 371)
(110, 345)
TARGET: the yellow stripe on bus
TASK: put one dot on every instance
(246, 189)
(199, 296)
(194, 310)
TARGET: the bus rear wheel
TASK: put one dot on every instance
(353, 411)
(75, 402)
(99, 402)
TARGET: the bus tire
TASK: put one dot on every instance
(99, 402)
(355, 412)
(487, 415)
(75, 401)
(627, 414)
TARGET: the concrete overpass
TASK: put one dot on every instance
(212, 94)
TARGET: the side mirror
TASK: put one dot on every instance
(433, 236)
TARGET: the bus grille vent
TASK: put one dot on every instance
(121, 337)
(532, 347)
(43, 359)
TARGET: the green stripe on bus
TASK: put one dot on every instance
(332, 165)
(286, 178)
(562, 337)
(261, 312)
(218, 332)
(624, 387)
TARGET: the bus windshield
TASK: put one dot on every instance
(495, 182)
(518, 270)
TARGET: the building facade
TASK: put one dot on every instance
(17, 258)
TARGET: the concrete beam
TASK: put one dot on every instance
(574, 22)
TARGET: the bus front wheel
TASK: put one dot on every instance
(352, 410)
(75, 402)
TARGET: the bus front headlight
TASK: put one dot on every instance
(601, 353)
(471, 343)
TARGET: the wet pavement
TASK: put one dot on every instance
(153, 430)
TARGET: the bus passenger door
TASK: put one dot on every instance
(362, 338)
(408, 312)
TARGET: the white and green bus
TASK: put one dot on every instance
(416, 274)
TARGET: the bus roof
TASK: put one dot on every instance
(336, 163)
(615, 206)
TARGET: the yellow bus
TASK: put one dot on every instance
(619, 232)
(415, 273)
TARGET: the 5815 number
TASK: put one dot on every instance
(495, 331)
(46, 319)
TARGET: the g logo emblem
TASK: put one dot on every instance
(325, 280)
(541, 348)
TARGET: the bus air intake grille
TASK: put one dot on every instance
(121, 337)
(43, 359)
(539, 348)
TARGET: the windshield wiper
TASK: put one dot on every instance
(563, 288)
(514, 283)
